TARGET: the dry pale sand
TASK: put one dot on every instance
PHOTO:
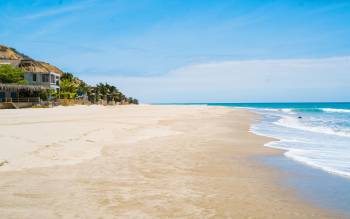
(139, 162)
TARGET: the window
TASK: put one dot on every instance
(52, 79)
(45, 78)
(34, 77)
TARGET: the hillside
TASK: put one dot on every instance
(10, 55)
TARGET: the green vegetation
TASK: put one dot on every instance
(69, 86)
(9, 74)
(74, 88)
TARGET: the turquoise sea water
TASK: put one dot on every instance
(315, 134)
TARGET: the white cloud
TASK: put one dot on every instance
(326, 79)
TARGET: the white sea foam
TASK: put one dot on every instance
(299, 155)
(269, 109)
(304, 156)
(272, 110)
(317, 140)
(290, 111)
(292, 122)
(330, 110)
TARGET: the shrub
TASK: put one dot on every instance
(10, 74)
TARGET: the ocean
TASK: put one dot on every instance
(315, 134)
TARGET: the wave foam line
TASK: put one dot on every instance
(294, 155)
(331, 110)
(290, 122)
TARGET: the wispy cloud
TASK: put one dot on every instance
(59, 10)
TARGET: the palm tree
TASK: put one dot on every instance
(102, 91)
(72, 86)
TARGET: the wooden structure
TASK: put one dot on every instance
(11, 93)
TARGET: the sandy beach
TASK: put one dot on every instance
(141, 161)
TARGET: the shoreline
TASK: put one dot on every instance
(308, 182)
(327, 191)
(274, 141)
(311, 183)
(155, 162)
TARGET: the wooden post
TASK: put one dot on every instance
(17, 95)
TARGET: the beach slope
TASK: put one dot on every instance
(139, 162)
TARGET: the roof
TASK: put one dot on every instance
(52, 68)
(15, 87)
(30, 65)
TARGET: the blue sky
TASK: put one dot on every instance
(145, 46)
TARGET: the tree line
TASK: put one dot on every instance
(73, 87)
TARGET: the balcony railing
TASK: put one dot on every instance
(20, 100)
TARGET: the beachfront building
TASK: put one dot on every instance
(37, 73)
(41, 73)
(19, 96)
(40, 77)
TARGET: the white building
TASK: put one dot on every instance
(41, 73)
(46, 79)
(38, 73)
